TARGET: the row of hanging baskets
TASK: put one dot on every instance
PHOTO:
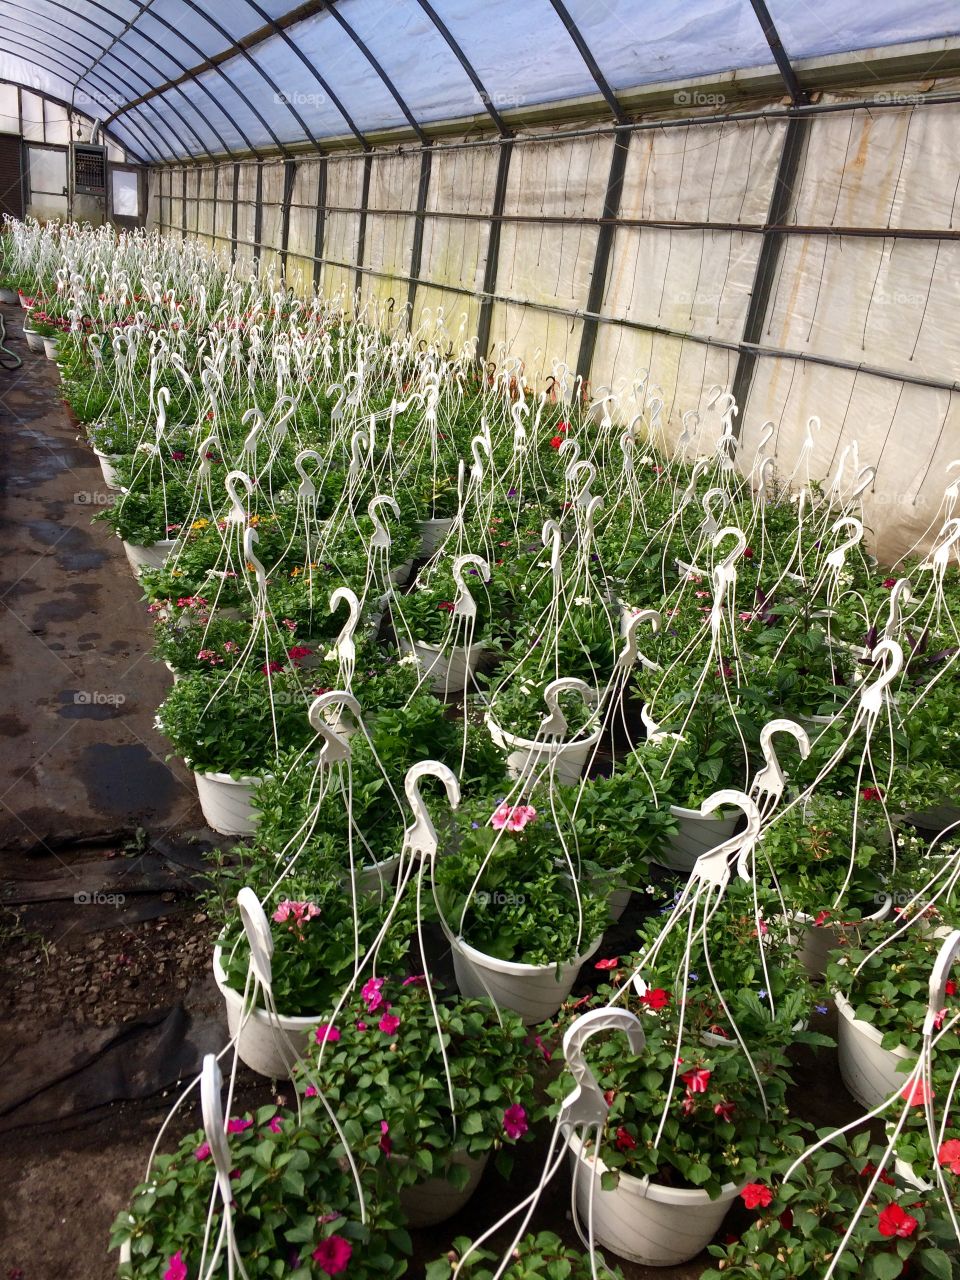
(627, 721)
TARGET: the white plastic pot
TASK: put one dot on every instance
(432, 533)
(619, 901)
(9, 296)
(535, 991)
(399, 575)
(435, 1199)
(817, 941)
(34, 339)
(268, 1046)
(108, 465)
(644, 1221)
(227, 803)
(695, 836)
(51, 348)
(25, 301)
(448, 672)
(526, 758)
(152, 557)
(173, 671)
(868, 1070)
(378, 877)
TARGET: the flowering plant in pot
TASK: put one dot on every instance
(226, 724)
(148, 514)
(295, 1207)
(800, 1223)
(521, 906)
(388, 1035)
(519, 924)
(538, 1256)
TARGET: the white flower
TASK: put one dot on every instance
(410, 660)
(584, 600)
(331, 655)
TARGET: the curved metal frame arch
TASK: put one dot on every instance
(467, 65)
(103, 8)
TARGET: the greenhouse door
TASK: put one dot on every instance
(11, 177)
(126, 195)
(47, 182)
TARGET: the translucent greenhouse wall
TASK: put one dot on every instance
(855, 317)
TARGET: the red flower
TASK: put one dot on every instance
(556, 442)
(756, 1196)
(446, 606)
(895, 1221)
(786, 1219)
(625, 1141)
(889, 582)
(609, 1096)
(748, 553)
(386, 1146)
(871, 793)
(610, 963)
(951, 987)
(269, 667)
(656, 998)
(332, 1255)
(949, 1155)
(870, 1169)
(916, 1093)
(725, 1110)
(696, 1081)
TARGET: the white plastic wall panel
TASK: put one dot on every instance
(910, 433)
(303, 225)
(246, 212)
(56, 123)
(9, 109)
(31, 107)
(538, 336)
(436, 310)
(224, 220)
(205, 210)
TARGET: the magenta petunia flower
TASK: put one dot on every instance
(176, 1267)
(389, 1023)
(515, 1121)
(203, 1151)
(275, 1125)
(371, 995)
(236, 1124)
(331, 1255)
(327, 1032)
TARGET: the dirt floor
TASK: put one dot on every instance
(107, 1002)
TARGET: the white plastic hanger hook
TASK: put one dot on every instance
(381, 535)
(585, 1105)
(420, 837)
(873, 695)
(937, 991)
(334, 747)
(237, 513)
(714, 867)
(555, 722)
(306, 490)
(345, 646)
(836, 558)
(464, 605)
(259, 936)
(211, 1109)
(630, 654)
(769, 781)
(250, 540)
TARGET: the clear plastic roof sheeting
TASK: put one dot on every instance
(173, 78)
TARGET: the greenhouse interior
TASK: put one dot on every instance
(480, 754)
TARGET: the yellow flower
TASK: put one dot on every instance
(294, 573)
(200, 524)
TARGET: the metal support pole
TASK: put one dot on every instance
(416, 249)
(289, 177)
(235, 213)
(493, 247)
(771, 246)
(601, 260)
(321, 218)
(362, 228)
(258, 217)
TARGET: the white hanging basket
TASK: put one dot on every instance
(619, 901)
(526, 757)
(696, 835)
(868, 1070)
(108, 465)
(432, 533)
(9, 296)
(449, 672)
(51, 347)
(34, 339)
(400, 575)
(535, 991)
(152, 557)
(25, 301)
(173, 671)
(644, 1221)
(378, 877)
(268, 1046)
(817, 941)
(227, 803)
(435, 1199)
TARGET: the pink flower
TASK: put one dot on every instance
(298, 651)
(289, 624)
(371, 994)
(269, 667)
(231, 646)
(388, 1024)
(361, 1026)
(949, 1155)
(418, 980)
(696, 1080)
(610, 963)
(327, 1032)
(821, 919)
(725, 1110)
(889, 582)
(547, 1055)
(275, 1125)
(756, 1196)
(332, 1255)
(515, 1121)
(237, 1125)
(203, 1151)
(176, 1268)
(895, 1221)
(514, 817)
(386, 1146)
(310, 1091)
